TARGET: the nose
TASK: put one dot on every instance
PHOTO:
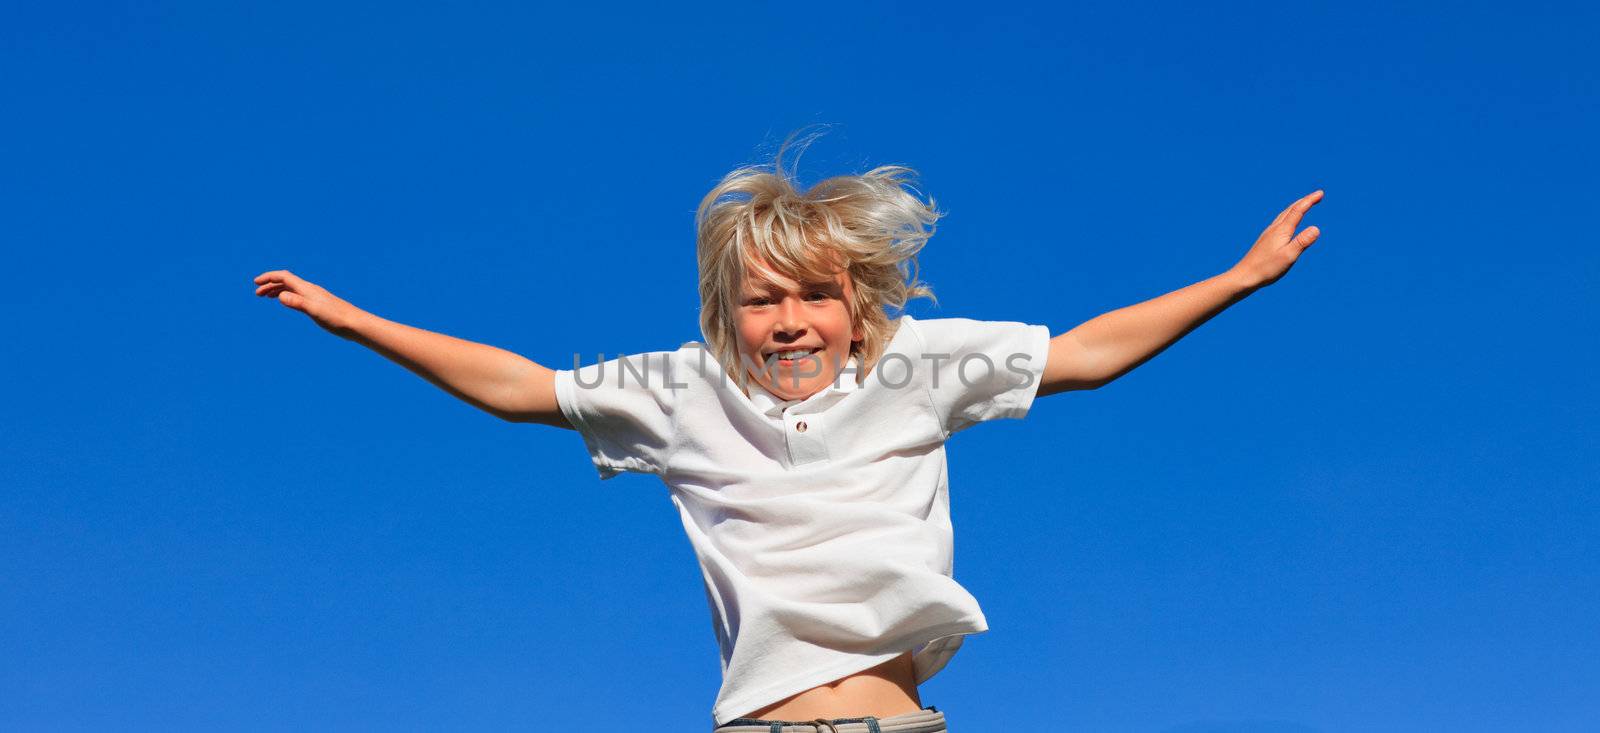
(791, 319)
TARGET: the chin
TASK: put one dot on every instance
(788, 391)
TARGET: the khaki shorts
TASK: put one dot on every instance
(926, 720)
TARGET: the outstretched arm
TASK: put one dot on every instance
(499, 382)
(1113, 344)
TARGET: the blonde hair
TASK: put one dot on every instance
(871, 225)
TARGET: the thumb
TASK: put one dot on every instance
(1305, 238)
(292, 299)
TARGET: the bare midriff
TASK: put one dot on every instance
(883, 691)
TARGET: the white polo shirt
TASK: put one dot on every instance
(822, 525)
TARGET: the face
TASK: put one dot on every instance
(775, 321)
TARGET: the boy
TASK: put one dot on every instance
(803, 443)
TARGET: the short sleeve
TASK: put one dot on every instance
(980, 370)
(623, 408)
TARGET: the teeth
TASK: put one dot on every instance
(792, 354)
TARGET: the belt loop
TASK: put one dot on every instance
(777, 728)
(872, 725)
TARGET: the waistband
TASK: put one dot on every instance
(926, 720)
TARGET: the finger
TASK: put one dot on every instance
(1291, 216)
(270, 289)
(1298, 209)
(275, 276)
(1304, 239)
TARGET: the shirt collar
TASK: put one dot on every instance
(844, 383)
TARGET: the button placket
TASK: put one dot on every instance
(803, 434)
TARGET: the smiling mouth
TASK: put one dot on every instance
(794, 356)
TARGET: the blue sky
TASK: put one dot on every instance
(1361, 499)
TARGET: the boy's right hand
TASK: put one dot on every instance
(329, 311)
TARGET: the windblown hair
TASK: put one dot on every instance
(871, 225)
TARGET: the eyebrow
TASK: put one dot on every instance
(765, 286)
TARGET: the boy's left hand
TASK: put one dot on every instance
(1278, 247)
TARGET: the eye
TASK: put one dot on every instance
(758, 300)
(816, 294)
